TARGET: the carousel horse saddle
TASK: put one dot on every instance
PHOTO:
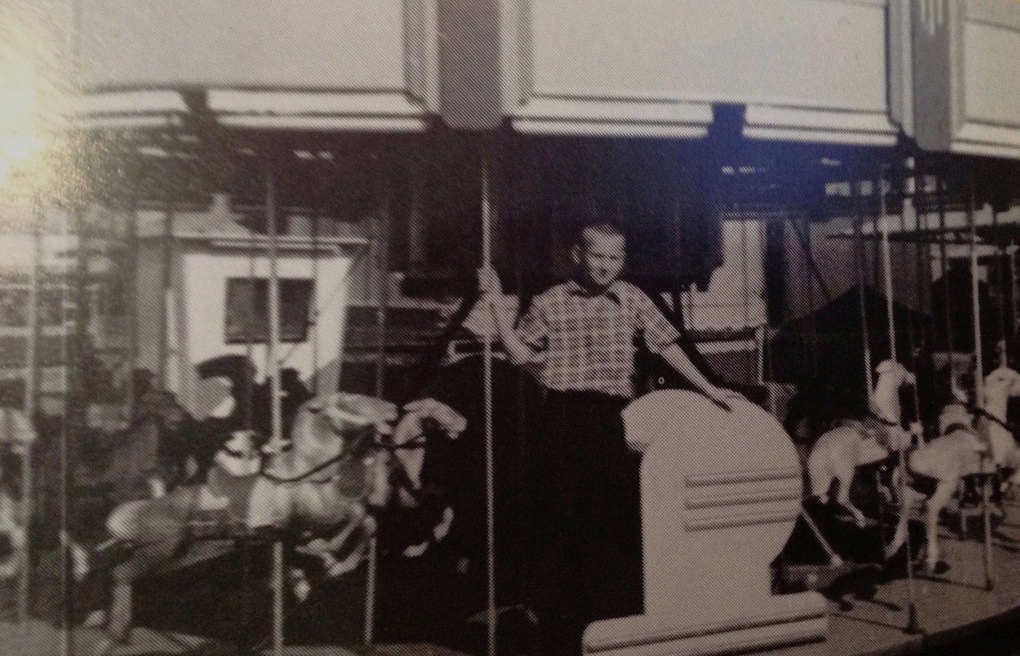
(224, 499)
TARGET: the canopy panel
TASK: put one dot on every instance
(966, 84)
(305, 64)
(805, 70)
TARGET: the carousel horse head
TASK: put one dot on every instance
(1001, 385)
(885, 399)
(397, 457)
(326, 426)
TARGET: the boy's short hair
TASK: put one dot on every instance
(604, 228)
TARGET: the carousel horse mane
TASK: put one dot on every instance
(325, 428)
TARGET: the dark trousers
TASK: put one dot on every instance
(586, 548)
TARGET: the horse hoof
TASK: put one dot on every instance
(300, 585)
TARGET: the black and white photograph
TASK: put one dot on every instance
(509, 327)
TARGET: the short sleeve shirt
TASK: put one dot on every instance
(586, 341)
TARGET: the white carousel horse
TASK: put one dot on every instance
(1000, 386)
(837, 453)
(327, 481)
(960, 450)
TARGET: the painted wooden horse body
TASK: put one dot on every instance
(325, 485)
(837, 453)
(964, 447)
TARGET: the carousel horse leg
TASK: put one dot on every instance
(907, 503)
(934, 507)
(118, 627)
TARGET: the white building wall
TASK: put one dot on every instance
(735, 297)
(200, 327)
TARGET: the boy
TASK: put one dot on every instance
(580, 337)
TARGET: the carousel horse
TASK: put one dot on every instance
(964, 447)
(325, 484)
(837, 453)
(1000, 386)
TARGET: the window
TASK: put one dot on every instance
(55, 305)
(247, 314)
(14, 307)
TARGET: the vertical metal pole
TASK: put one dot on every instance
(131, 302)
(31, 385)
(1000, 291)
(382, 243)
(979, 377)
(979, 398)
(859, 279)
(809, 280)
(923, 280)
(370, 576)
(487, 383)
(940, 192)
(1010, 348)
(317, 215)
(746, 290)
(908, 209)
(75, 412)
(66, 633)
(164, 299)
(887, 266)
(912, 622)
(274, 373)
(383, 278)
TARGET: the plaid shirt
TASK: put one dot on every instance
(586, 342)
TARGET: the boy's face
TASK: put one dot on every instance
(601, 258)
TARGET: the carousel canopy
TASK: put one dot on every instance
(862, 73)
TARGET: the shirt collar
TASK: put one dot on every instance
(613, 291)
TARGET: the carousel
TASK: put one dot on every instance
(224, 226)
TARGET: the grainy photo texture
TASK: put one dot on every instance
(509, 327)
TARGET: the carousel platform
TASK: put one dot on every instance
(955, 612)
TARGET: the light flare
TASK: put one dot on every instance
(30, 114)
